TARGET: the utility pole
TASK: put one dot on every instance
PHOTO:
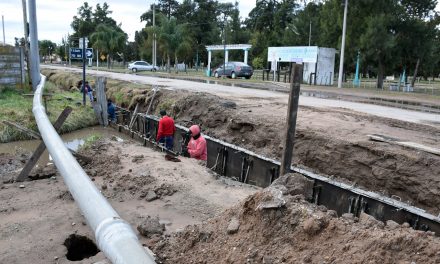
(3, 23)
(34, 53)
(154, 35)
(84, 69)
(341, 62)
(224, 47)
(310, 32)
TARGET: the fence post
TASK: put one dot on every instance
(292, 111)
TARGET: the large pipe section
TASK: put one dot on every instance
(114, 236)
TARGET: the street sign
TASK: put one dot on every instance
(89, 53)
(81, 42)
(102, 57)
(76, 53)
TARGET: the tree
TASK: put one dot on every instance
(168, 7)
(47, 48)
(82, 24)
(87, 21)
(108, 40)
(378, 42)
(173, 39)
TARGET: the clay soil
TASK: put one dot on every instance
(331, 141)
(205, 219)
(37, 218)
(277, 225)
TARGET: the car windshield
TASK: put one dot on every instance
(240, 64)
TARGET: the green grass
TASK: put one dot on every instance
(18, 108)
(88, 142)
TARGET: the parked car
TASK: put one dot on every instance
(142, 66)
(234, 69)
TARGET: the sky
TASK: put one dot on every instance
(54, 16)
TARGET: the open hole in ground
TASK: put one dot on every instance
(80, 247)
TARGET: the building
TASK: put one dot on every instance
(319, 63)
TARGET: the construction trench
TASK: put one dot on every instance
(250, 168)
(341, 192)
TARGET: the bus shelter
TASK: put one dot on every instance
(226, 49)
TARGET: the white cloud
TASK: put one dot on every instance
(54, 16)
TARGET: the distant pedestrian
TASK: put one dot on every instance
(89, 91)
(165, 132)
(197, 144)
(111, 110)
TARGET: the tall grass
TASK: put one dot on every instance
(17, 108)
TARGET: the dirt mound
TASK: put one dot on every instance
(10, 165)
(291, 230)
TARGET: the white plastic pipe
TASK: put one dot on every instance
(114, 236)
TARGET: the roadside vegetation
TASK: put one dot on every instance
(122, 93)
(88, 142)
(17, 108)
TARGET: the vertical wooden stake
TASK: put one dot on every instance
(292, 111)
(102, 98)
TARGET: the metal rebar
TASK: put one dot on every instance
(114, 236)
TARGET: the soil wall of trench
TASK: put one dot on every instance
(375, 166)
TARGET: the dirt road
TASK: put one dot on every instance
(246, 93)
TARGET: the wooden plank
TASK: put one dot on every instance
(155, 89)
(23, 129)
(41, 147)
(133, 117)
(408, 144)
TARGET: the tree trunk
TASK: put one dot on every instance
(108, 61)
(415, 73)
(168, 63)
(175, 64)
(380, 74)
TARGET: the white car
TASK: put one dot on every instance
(142, 66)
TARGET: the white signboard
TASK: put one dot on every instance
(293, 54)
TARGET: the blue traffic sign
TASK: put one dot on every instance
(76, 53)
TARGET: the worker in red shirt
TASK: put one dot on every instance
(165, 133)
(197, 144)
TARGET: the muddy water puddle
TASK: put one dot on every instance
(73, 141)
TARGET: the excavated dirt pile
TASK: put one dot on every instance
(278, 225)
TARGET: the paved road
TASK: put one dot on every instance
(228, 91)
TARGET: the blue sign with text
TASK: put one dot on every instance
(76, 53)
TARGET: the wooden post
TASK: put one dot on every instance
(102, 98)
(40, 149)
(133, 117)
(155, 88)
(292, 111)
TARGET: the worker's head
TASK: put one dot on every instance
(163, 112)
(109, 101)
(195, 130)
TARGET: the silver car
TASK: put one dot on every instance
(141, 66)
